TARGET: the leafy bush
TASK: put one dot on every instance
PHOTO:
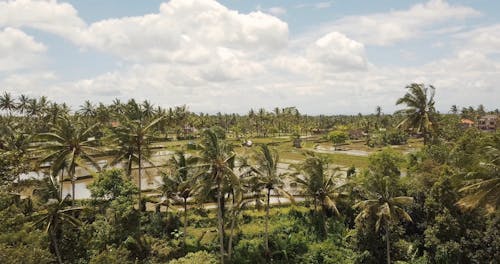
(112, 256)
(249, 251)
(328, 253)
(24, 254)
(395, 137)
(338, 137)
(198, 257)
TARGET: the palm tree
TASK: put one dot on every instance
(320, 182)
(33, 108)
(52, 217)
(68, 145)
(54, 112)
(87, 109)
(148, 109)
(454, 109)
(387, 209)
(267, 170)
(132, 141)
(484, 192)
(22, 106)
(217, 157)
(117, 106)
(7, 103)
(180, 182)
(378, 114)
(381, 196)
(419, 114)
(16, 142)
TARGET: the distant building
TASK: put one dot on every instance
(356, 134)
(318, 131)
(488, 123)
(114, 123)
(466, 123)
(190, 129)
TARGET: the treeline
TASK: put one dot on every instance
(41, 113)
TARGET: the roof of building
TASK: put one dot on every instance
(466, 121)
(489, 117)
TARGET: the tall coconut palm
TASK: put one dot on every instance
(16, 142)
(33, 108)
(54, 112)
(378, 115)
(180, 182)
(7, 103)
(387, 209)
(132, 141)
(217, 157)
(87, 109)
(55, 214)
(454, 109)
(23, 103)
(268, 175)
(420, 111)
(484, 192)
(148, 109)
(318, 181)
(69, 145)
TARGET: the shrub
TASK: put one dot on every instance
(395, 137)
(327, 253)
(196, 258)
(111, 256)
(338, 137)
(249, 251)
(28, 254)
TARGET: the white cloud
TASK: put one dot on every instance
(394, 26)
(182, 26)
(322, 5)
(277, 10)
(484, 39)
(18, 50)
(35, 84)
(317, 5)
(46, 15)
(338, 53)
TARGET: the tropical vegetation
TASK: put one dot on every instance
(131, 182)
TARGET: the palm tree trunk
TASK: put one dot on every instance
(139, 208)
(56, 247)
(426, 135)
(387, 243)
(140, 178)
(185, 223)
(267, 220)
(230, 246)
(73, 183)
(62, 184)
(220, 221)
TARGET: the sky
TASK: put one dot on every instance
(324, 57)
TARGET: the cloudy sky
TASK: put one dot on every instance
(230, 55)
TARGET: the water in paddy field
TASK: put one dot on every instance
(151, 177)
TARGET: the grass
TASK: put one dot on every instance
(349, 160)
(254, 228)
(289, 154)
